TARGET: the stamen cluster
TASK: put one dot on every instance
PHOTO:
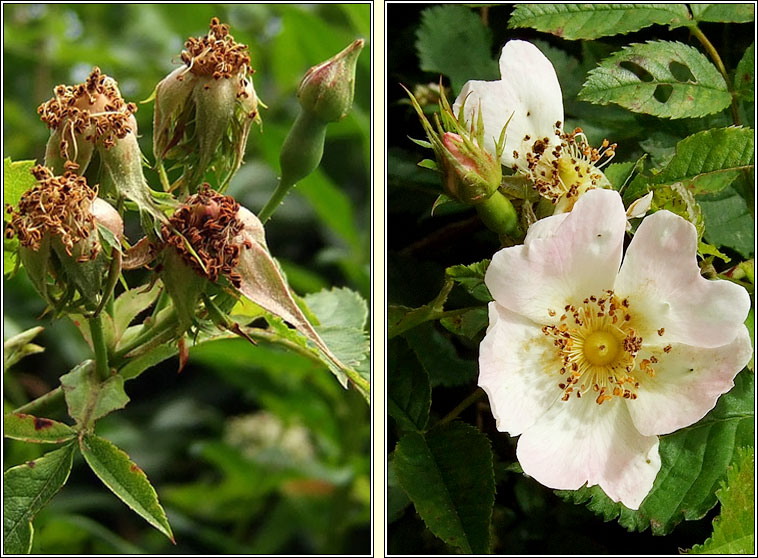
(204, 232)
(57, 205)
(564, 167)
(217, 54)
(94, 109)
(607, 318)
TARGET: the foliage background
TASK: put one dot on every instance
(527, 518)
(251, 449)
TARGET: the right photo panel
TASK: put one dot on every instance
(570, 278)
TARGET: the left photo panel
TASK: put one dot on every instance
(187, 279)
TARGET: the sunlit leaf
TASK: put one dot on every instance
(723, 12)
(29, 428)
(663, 78)
(590, 21)
(734, 528)
(17, 179)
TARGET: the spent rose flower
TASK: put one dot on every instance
(589, 360)
(561, 165)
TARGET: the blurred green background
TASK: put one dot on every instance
(251, 449)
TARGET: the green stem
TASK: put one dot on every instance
(473, 398)
(101, 351)
(300, 156)
(148, 333)
(713, 53)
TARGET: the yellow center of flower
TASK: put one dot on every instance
(601, 348)
(563, 169)
(598, 349)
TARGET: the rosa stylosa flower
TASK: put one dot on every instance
(589, 362)
(562, 166)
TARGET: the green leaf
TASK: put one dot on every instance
(710, 160)
(397, 499)
(338, 307)
(620, 174)
(408, 390)
(663, 78)
(728, 221)
(125, 479)
(128, 305)
(439, 356)
(27, 489)
(20, 346)
(734, 528)
(693, 462)
(723, 12)
(452, 40)
(448, 475)
(590, 21)
(29, 428)
(17, 179)
(467, 324)
(471, 278)
(744, 75)
(89, 399)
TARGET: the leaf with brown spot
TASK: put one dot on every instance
(125, 479)
(29, 428)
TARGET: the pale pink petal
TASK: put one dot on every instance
(580, 258)
(579, 441)
(687, 383)
(661, 277)
(518, 368)
(528, 93)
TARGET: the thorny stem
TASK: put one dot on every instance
(473, 398)
(101, 351)
(713, 53)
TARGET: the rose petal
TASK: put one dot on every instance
(528, 93)
(687, 383)
(661, 277)
(579, 441)
(515, 364)
(564, 261)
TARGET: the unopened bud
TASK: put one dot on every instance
(470, 173)
(327, 89)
